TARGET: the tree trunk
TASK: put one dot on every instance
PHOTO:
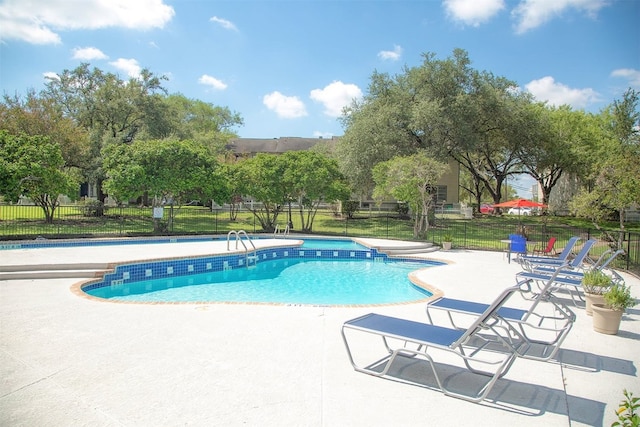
(101, 197)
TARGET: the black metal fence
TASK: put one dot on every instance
(27, 222)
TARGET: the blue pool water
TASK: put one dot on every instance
(285, 281)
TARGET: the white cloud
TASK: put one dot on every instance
(224, 23)
(628, 73)
(335, 96)
(50, 75)
(287, 107)
(31, 32)
(392, 55)
(88, 53)
(212, 82)
(129, 66)
(37, 22)
(530, 14)
(473, 12)
(547, 89)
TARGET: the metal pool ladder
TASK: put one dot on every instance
(284, 232)
(250, 255)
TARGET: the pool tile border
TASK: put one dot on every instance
(122, 274)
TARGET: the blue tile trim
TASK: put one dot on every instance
(126, 273)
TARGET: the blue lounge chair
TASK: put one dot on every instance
(575, 263)
(602, 264)
(544, 328)
(411, 340)
(571, 282)
(560, 259)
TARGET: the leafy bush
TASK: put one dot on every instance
(618, 297)
(92, 208)
(596, 282)
(626, 412)
(350, 207)
(403, 210)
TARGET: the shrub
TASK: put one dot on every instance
(626, 412)
(618, 297)
(92, 208)
(596, 282)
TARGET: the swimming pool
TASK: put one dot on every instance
(283, 281)
(285, 275)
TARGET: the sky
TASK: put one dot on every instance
(288, 67)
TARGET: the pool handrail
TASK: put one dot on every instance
(247, 252)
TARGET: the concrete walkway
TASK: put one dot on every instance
(71, 361)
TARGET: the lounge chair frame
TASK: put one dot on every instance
(563, 257)
(602, 264)
(410, 339)
(571, 280)
(517, 324)
(575, 263)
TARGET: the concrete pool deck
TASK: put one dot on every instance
(72, 361)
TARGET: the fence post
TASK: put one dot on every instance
(387, 226)
(465, 235)
(628, 250)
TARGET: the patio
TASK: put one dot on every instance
(67, 360)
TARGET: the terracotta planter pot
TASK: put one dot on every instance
(591, 299)
(605, 320)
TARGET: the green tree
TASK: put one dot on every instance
(32, 166)
(554, 144)
(411, 179)
(312, 178)
(445, 107)
(103, 103)
(489, 124)
(261, 177)
(183, 118)
(307, 178)
(616, 174)
(110, 109)
(171, 172)
(34, 115)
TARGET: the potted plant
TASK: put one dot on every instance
(607, 316)
(447, 241)
(594, 283)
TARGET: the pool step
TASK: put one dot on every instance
(409, 250)
(53, 271)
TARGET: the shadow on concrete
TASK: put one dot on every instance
(581, 360)
(514, 396)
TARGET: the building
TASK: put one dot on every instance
(448, 193)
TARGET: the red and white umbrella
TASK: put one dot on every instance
(520, 203)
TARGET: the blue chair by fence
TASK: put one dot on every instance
(518, 244)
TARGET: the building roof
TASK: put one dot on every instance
(276, 145)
